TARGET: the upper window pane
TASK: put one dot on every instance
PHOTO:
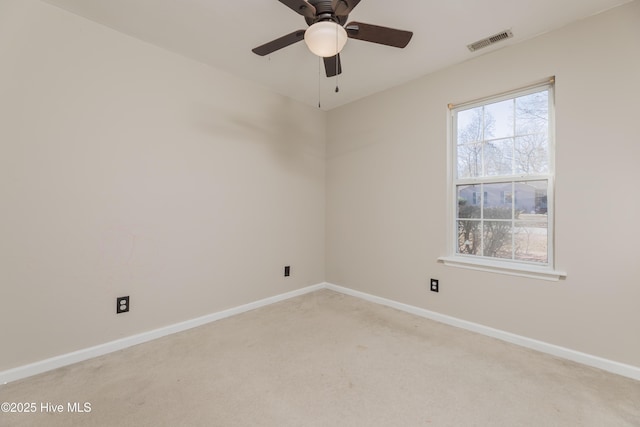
(531, 154)
(470, 160)
(470, 126)
(498, 119)
(532, 113)
(504, 138)
(498, 157)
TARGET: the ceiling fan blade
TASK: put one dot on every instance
(302, 7)
(377, 34)
(332, 65)
(344, 7)
(279, 43)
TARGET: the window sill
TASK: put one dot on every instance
(533, 272)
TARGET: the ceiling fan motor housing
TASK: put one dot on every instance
(324, 12)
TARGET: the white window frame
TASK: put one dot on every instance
(512, 267)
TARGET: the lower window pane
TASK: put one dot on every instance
(531, 197)
(469, 237)
(531, 238)
(469, 201)
(497, 239)
(498, 201)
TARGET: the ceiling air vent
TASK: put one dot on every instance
(490, 40)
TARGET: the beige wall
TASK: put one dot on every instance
(387, 187)
(128, 170)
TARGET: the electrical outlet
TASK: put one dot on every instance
(287, 271)
(434, 285)
(122, 304)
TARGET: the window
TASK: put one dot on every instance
(502, 182)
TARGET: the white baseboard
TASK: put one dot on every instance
(629, 371)
(99, 350)
(109, 347)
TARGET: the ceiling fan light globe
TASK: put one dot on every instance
(325, 38)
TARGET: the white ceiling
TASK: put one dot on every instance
(222, 34)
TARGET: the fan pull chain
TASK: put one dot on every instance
(337, 63)
(319, 78)
(337, 60)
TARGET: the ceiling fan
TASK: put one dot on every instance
(327, 32)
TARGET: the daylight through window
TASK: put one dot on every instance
(503, 177)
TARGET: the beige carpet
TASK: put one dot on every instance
(326, 359)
